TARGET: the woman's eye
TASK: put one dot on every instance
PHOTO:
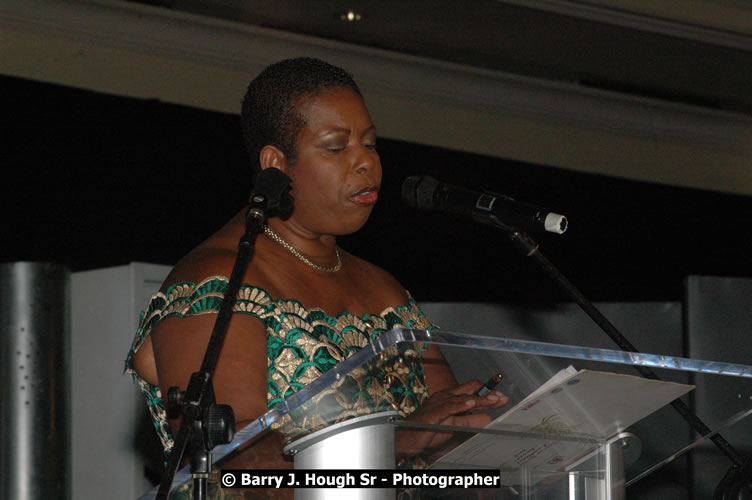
(370, 145)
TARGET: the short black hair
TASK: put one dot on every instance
(269, 115)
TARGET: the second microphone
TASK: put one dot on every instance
(426, 193)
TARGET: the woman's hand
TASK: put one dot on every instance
(456, 406)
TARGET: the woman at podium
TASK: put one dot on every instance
(306, 303)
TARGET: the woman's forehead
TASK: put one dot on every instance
(339, 107)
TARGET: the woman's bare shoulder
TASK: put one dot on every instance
(216, 256)
(199, 264)
(209, 260)
(378, 279)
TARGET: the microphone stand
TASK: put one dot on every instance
(206, 424)
(741, 469)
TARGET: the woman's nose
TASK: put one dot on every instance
(366, 160)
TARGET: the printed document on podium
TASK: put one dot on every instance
(572, 413)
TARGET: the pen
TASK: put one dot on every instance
(490, 385)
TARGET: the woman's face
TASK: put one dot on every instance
(337, 172)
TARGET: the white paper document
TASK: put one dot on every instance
(572, 403)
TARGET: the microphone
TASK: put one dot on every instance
(274, 186)
(426, 193)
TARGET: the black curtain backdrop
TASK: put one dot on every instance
(94, 180)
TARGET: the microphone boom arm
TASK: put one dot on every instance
(529, 247)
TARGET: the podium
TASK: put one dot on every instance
(584, 447)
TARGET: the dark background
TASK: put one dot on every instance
(94, 180)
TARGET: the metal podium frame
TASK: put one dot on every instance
(600, 476)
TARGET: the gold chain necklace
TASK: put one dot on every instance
(297, 254)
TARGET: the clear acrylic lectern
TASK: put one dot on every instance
(580, 423)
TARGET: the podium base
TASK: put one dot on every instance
(365, 442)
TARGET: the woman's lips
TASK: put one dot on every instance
(365, 197)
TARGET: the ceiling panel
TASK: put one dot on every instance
(691, 51)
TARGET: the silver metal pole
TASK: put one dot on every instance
(35, 381)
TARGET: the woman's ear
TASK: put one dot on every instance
(273, 157)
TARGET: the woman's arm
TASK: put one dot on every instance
(448, 404)
(438, 374)
(239, 380)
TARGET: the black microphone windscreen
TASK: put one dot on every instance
(274, 185)
(418, 192)
(408, 191)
